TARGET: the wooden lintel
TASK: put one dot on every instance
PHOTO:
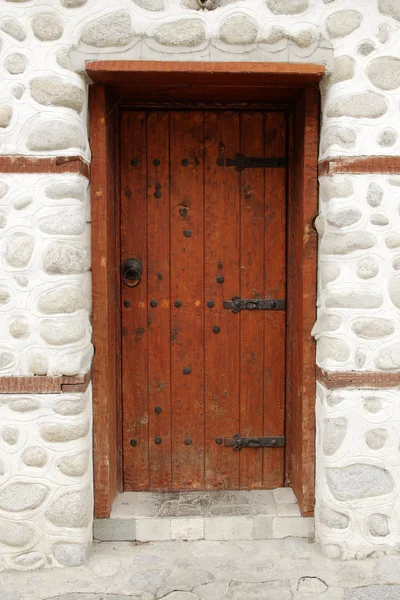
(358, 165)
(58, 164)
(44, 384)
(358, 379)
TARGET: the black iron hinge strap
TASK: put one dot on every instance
(242, 162)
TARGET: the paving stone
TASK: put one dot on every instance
(292, 527)
(376, 592)
(284, 496)
(187, 529)
(262, 527)
(149, 530)
(229, 528)
(110, 530)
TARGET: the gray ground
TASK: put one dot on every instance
(289, 569)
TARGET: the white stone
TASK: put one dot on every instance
(64, 61)
(31, 560)
(57, 432)
(14, 29)
(394, 291)
(345, 217)
(20, 496)
(383, 33)
(366, 48)
(183, 32)
(35, 457)
(68, 406)
(55, 135)
(21, 202)
(10, 435)
(73, 3)
(5, 115)
(393, 240)
(74, 465)
(343, 69)
(18, 91)
(378, 525)
(67, 188)
(384, 72)
(367, 268)
(60, 259)
(71, 554)
(387, 137)
(335, 187)
(359, 358)
(338, 136)
(376, 438)
(19, 249)
(283, 527)
(5, 296)
(71, 509)
(396, 263)
(238, 29)
(6, 359)
(358, 481)
(4, 188)
(2, 467)
(19, 329)
(59, 333)
(364, 105)
(38, 363)
(23, 405)
(342, 23)
(358, 297)
(47, 27)
(153, 530)
(388, 357)
(332, 518)
(64, 223)
(390, 8)
(187, 529)
(54, 92)
(228, 528)
(326, 322)
(66, 299)
(336, 243)
(334, 434)
(15, 64)
(113, 30)
(14, 534)
(373, 328)
(153, 5)
(379, 219)
(287, 7)
(373, 405)
(374, 195)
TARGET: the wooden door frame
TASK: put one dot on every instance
(116, 82)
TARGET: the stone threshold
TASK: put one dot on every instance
(218, 515)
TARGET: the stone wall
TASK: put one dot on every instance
(44, 280)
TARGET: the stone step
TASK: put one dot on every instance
(218, 516)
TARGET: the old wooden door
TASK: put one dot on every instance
(206, 225)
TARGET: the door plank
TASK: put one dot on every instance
(251, 286)
(222, 222)
(158, 289)
(275, 287)
(134, 319)
(187, 286)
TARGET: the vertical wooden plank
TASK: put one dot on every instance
(222, 222)
(251, 286)
(187, 321)
(134, 317)
(104, 272)
(303, 207)
(158, 286)
(275, 287)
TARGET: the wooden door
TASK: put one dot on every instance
(205, 230)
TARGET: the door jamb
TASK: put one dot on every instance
(296, 80)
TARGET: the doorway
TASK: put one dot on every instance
(203, 298)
